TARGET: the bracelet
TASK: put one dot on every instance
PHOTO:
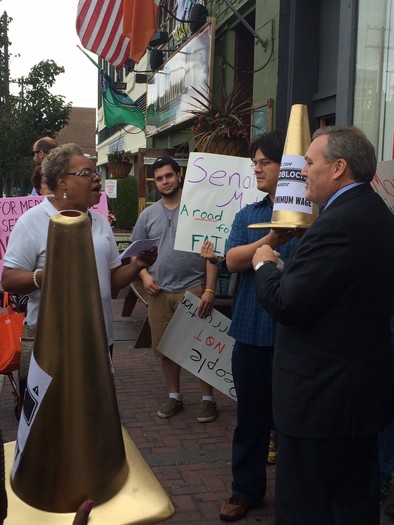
(209, 290)
(35, 278)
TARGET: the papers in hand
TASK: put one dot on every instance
(139, 246)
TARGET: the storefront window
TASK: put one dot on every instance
(374, 83)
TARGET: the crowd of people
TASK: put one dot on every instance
(312, 359)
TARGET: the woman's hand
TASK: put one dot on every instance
(147, 258)
(82, 515)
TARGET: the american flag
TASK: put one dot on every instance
(99, 27)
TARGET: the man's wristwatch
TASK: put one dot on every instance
(260, 264)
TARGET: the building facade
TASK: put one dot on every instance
(332, 55)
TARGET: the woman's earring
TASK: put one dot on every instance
(65, 195)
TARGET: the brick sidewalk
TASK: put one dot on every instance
(191, 460)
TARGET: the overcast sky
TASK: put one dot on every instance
(43, 30)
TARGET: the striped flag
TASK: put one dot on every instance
(99, 27)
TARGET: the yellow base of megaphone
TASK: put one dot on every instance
(141, 500)
(287, 220)
(278, 226)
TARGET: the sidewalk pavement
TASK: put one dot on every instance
(191, 460)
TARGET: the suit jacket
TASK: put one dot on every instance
(332, 372)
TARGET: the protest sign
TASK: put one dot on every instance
(216, 187)
(383, 182)
(11, 208)
(111, 188)
(200, 345)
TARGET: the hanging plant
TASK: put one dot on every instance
(220, 121)
(120, 157)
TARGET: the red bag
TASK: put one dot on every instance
(11, 327)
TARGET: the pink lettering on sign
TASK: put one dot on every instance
(210, 342)
(11, 208)
(384, 186)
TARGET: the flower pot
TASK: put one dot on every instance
(119, 171)
(223, 146)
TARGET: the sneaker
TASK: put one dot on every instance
(170, 407)
(234, 509)
(272, 450)
(207, 412)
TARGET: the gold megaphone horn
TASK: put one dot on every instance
(291, 209)
(70, 444)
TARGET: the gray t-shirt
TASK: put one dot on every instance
(174, 270)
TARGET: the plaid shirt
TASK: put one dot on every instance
(250, 323)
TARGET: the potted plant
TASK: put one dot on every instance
(120, 163)
(220, 126)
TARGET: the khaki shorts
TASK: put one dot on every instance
(161, 308)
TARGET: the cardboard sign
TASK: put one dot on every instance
(11, 208)
(201, 345)
(383, 182)
(216, 187)
(111, 188)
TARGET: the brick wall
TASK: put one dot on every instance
(81, 129)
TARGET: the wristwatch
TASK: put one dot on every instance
(260, 264)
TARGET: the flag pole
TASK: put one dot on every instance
(86, 55)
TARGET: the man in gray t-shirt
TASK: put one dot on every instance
(173, 273)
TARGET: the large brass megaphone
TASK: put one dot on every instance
(291, 209)
(70, 444)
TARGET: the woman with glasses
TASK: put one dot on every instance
(75, 184)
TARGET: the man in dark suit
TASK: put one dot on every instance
(332, 377)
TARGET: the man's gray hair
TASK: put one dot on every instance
(350, 143)
(57, 163)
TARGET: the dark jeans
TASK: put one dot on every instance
(252, 372)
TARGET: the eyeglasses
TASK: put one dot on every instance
(261, 163)
(87, 172)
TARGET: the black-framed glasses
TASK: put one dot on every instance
(87, 172)
(261, 163)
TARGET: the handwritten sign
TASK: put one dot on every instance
(216, 187)
(200, 346)
(383, 182)
(11, 208)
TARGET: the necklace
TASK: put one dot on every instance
(170, 216)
